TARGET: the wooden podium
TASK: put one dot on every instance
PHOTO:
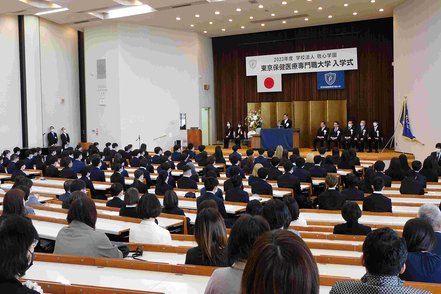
(194, 136)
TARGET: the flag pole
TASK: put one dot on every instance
(395, 130)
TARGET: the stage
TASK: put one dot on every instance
(387, 155)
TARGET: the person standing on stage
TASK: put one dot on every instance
(52, 137)
(240, 135)
(229, 135)
(347, 139)
(322, 135)
(361, 136)
(335, 136)
(375, 136)
(287, 123)
(65, 139)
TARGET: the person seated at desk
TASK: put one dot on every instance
(117, 192)
(254, 176)
(229, 135)
(384, 257)
(211, 193)
(11, 166)
(18, 239)
(96, 174)
(210, 166)
(26, 184)
(329, 165)
(243, 234)
(416, 166)
(14, 203)
(335, 135)
(136, 158)
(395, 171)
(309, 162)
(117, 177)
(351, 213)
(75, 186)
(190, 149)
(432, 215)
(211, 236)
(184, 159)
(203, 159)
(288, 180)
(77, 164)
(404, 162)
(19, 167)
(234, 161)
(347, 140)
(317, 171)
(379, 168)
(260, 159)
(294, 212)
(66, 187)
(67, 172)
(422, 265)
(138, 182)
(219, 155)
(411, 185)
(171, 206)
(249, 152)
(335, 156)
(261, 187)
(80, 238)
(254, 207)
(235, 153)
(270, 154)
(331, 199)
(201, 149)
(131, 199)
(429, 170)
(249, 166)
(158, 155)
(351, 192)
(377, 202)
(162, 183)
(6, 157)
(365, 184)
(28, 160)
(273, 171)
(176, 156)
(322, 136)
(237, 194)
(186, 182)
(353, 156)
(2, 167)
(239, 135)
(146, 168)
(303, 175)
(85, 177)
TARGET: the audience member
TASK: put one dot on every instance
(277, 215)
(117, 192)
(379, 172)
(131, 199)
(254, 207)
(294, 212)
(254, 176)
(377, 202)
(351, 192)
(411, 184)
(261, 186)
(331, 199)
(237, 194)
(351, 212)
(395, 171)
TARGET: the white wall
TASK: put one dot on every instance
(417, 72)
(10, 105)
(159, 77)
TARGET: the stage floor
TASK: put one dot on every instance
(386, 155)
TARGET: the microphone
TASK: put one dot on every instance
(44, 134)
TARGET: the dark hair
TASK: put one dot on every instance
(210, 183)
(16, 236)
(237, 181)
(211, 235)
(131, 197)
(331, 180)
(351, 180)
(322, 150)
(19, 164)
(218, 154)
(336, 152)
(249, 166)
(262, 173)
(211, 159)
(378, 183)
(317, 159)
(254, 207)
(419, 235)
(116, 188)
(183, 156)
(243, 234)
(186, 168)
(51, 160)
(96, 161)
(384, 252)
(85, 170)
(261, 151)
(74, 196)
(235, 148)
(296, 151)
(379, 166)
(162, 177)
(207, 204)
(280, 262)
(351, 212)
(345, 157)
(170, 199)
(77, 185)
(403, 161)
(26, 190)
(250, 152)
(148, 206)
(395, 168)
(293, 207)
(190, 146)
(277, 214)
(234, 170)
(83, 210)
(23, 181)
(293, 158)
(16, 149)
(300, 162)
(138, 173)
(270, 153)
(369, 176)
(13, 202)
(165, 166)
(167, 153)
(416, 165)
(66, 185)
(288, 166)
(329, 160)
(234, 159)
(275, 161)
(201, 148)
(28, 152)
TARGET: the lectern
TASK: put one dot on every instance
(194, 136)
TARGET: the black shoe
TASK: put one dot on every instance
(314, 150)
(328, 150)
(376, 151)
(370, 151)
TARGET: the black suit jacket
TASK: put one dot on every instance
(261, 187)
(65, 139)
(330, 168)
(115, 202)
(134, 162)
(331, 200)
(352, 229)
(142, 188)
(17, 173)
(52, 138)
(336, 133)
(422, 179)
(362, 133)
(219, 202)
(386, 178)
(89, 185)
(376, 134)
(323, 133)
(97, 174)
(229, 133)
(438, 159)
(228, 184)
(303, 175)
(412, 187)
(156, 159)
(274, 173)
(240, 133)
(187, 183)
(118, 178)
(162, 188)
(68, 173)
(237, 195)
(287, 124)
(52, 172)
(349, 132)
(128, 212)
(318, 172)
(353, 193)
(377, 203)
(290, 181)
(11, 167)
(147, 177)
(430, 176)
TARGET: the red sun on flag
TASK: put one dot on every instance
(269, 83)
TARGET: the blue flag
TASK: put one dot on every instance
(405, 123)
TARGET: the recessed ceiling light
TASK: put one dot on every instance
(320, 8)
(306, 19)
(205, 32)
(381, 10)
(251, 17)
(262, 24)
(346, 5)
(230, 20)
(372, 1)
(284, 21)
(196, 15)
(309, 0)
(178, 18)
(52, 11)
(210, 22)
(223, 30)
(260, 6)
(296, 11)
(355, 13)
(217, 12)
(273, 14)
(238, 9)
(284, 3)
(242, 27)
(329, 16)
(192, 25)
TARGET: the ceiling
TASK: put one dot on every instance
(196, 15)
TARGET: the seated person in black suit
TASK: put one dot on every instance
(317, 171)
(67, 172)
(361, 136)
(77, 190)
(240, 135)
(411, 185)
(259, 159)
(19, 167)
(138, 182)
(165, 166)
(66, 195)
(237, 194)
(351, 212)
(229, 135)
(156, 158)
(346, 162)
(131, 199)
(52, 170)
(234, 171)
(429, 170)
(379, 172)
(322, 135)
(210, 185)
(162, 183)
(203, 159)
(290, 181)
(269, 155)
(117, 192)
(210, 166)
(96, 173)
(329, 165)
(277, 215)
(351, 192)
(261, 187)
(176, 156)
(235, 153)
(11, 166)
(375, 136)
(136, 159)
(331, 199)
(171, 206)
(336, 155)
(335, 135)
(144, 166)
(28, 161)
(234, 160)
(116, 177)
(366, 184)
(303, 175)
(310, 160)
(167, 158)
(416, 166)
(377, 202)
(184, 159)
(85, 177)
(250, 152)
(186, 182)
(273, 171)
(201, 148)
(348, 136)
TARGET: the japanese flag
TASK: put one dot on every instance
(271, 83)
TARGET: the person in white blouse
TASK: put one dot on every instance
(148, 232)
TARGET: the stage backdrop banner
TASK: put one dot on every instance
(331, 80)
(302, 62)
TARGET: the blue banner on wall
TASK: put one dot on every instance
(331, 80)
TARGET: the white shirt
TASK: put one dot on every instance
(148, 232)
(299, 222)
